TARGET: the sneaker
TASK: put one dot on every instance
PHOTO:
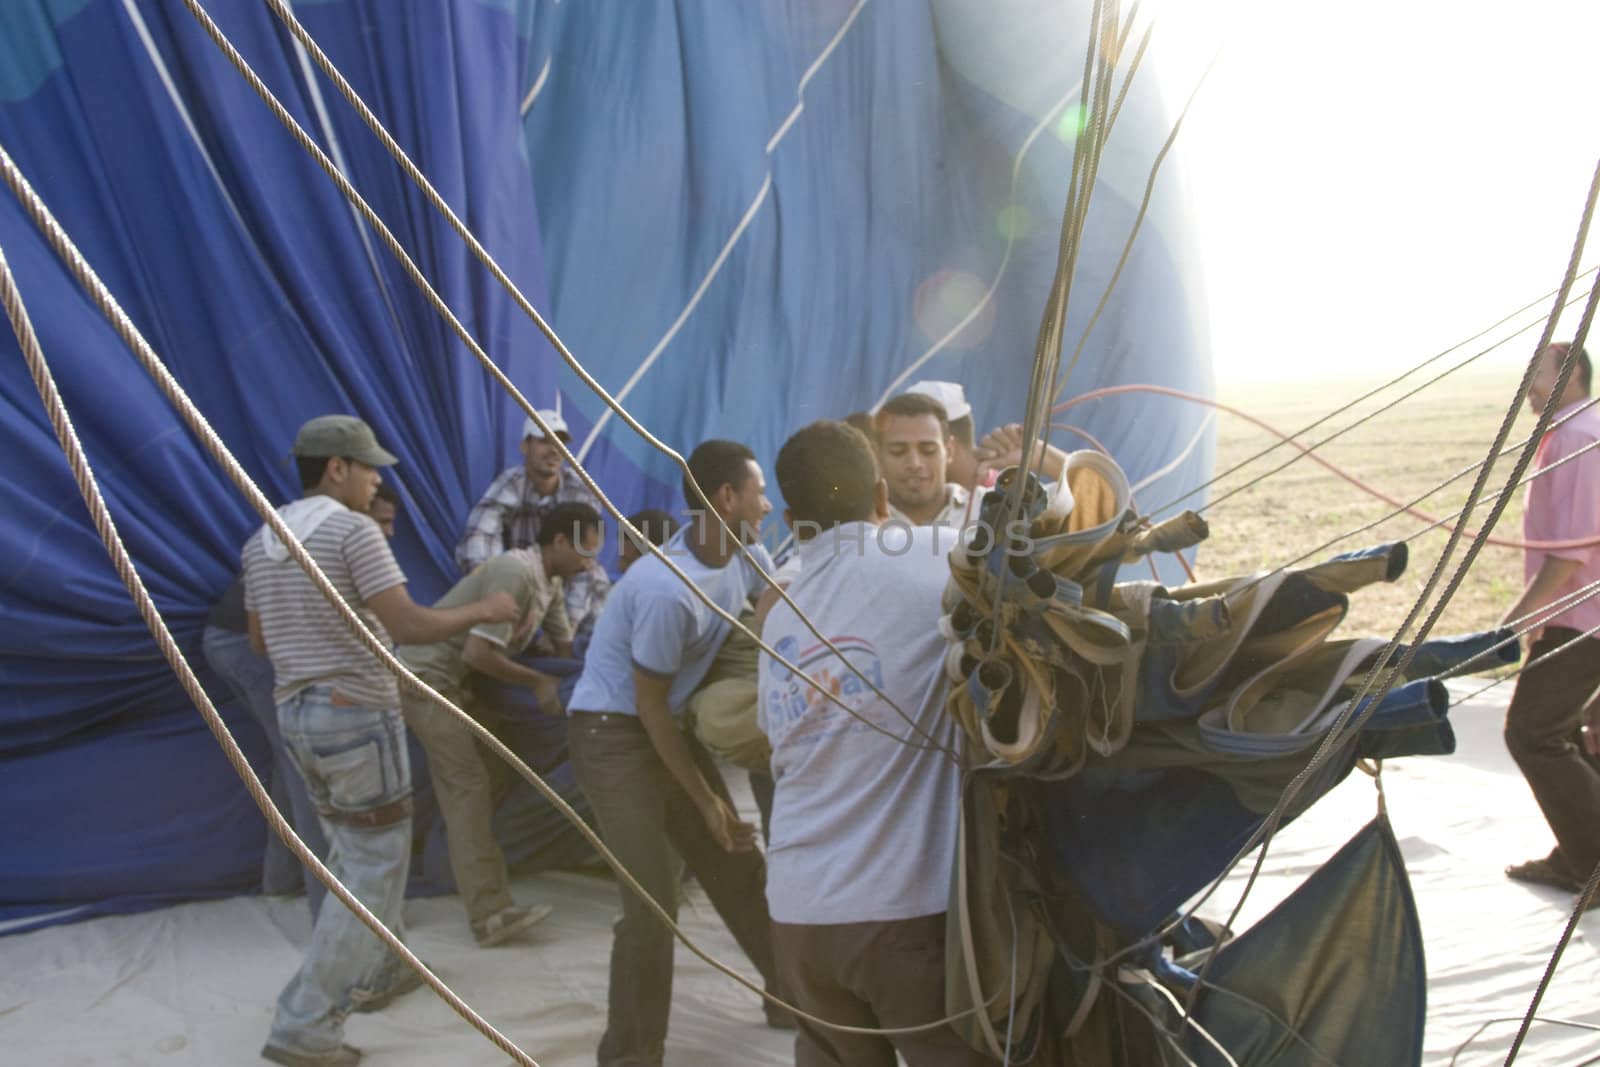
(343, 1056)
(507, 923)
(1549, 870)
(362, 1000)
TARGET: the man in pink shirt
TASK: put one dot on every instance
(1553, 724)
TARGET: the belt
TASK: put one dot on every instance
(372, 818)
(595, 718)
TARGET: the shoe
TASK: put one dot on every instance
(507, 923)
(1548, 870)
(362, 1000)
(780, 1018)
(343, 1056)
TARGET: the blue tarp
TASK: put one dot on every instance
(767, 213)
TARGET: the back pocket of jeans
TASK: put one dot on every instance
(354, 776)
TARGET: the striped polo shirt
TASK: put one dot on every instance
(307, 641)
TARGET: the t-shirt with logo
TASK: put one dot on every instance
(654, 621)
(863, 825)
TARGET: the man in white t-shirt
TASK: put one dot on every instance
(865, 814)
(654, 789)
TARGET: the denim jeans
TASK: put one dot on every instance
(355, 763)
(249, 675)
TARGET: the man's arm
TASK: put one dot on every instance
(409, 623)
(258, 640)
(486, 657)
(1002, 448)
(1553, 574)
(650, 698)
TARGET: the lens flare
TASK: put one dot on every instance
(953, 298)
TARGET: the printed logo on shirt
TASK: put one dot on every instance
(795, 709)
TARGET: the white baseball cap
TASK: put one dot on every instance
(552, 419)
(949, 395)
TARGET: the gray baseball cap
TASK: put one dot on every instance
(330, 436)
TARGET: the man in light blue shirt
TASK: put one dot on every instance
(654, 789)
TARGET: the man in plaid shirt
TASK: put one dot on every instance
(509, 513)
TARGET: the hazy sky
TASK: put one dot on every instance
(1373, 181)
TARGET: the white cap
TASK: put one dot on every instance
(949, 395)
(551, 419)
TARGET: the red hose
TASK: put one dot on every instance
(1161, 390)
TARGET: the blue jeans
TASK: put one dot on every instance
(358, 772)
(249, 675)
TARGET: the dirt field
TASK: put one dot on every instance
(1401, 452)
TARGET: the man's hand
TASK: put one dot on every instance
(727, 829)
(498, 607)
(999, 449)
(548, 692)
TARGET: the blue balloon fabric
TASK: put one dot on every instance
(740, 218)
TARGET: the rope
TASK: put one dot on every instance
(1349, 722)
(300, 34)
(89, 489)
(1214, 479)
(1385, 518)
(1310, 451)
(1542, 614)
(1144, 206)
(1594, 590)
(1166, 994)
(169, 386)
(1579, 906)
(1517, 1018)
(1354, 716)
(1047, 349)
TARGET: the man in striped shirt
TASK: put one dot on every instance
(339, 714)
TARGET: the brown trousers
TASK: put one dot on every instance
(1542, 733)
(462, 784)
(878, 975)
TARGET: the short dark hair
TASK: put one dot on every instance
(311, 469)
(1583, 372)
(828, 474)
(573, 518)
(961, 430)
(863, 421)
(388, 495)
(714, 464)
(656, 525)
(913, 404)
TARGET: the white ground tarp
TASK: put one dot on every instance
(193, 986)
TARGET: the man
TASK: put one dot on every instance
(961, 466)
(226, 644)
(567, 539)
(385, 510)
(1553, 724)
(657, 527)
(338, 710)
(864, 825)
(655, 792)
(509, 513)
(914, 446)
